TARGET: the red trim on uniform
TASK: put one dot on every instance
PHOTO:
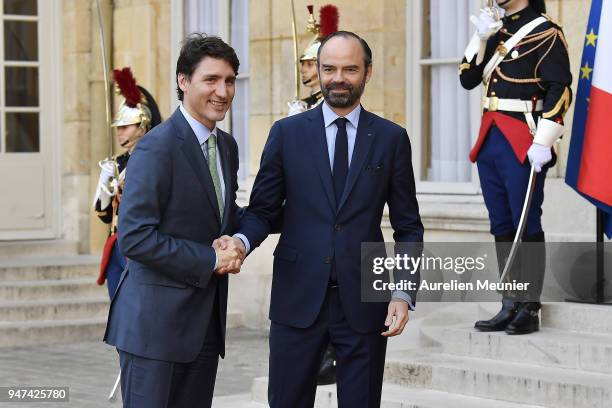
(516, 132)
(106, 253)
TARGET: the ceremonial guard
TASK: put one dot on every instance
(137, 114)
(521, 58)
(328, 24)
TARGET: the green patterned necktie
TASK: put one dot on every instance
(212, 167)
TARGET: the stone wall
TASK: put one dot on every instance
(77, 74)
(272, 82)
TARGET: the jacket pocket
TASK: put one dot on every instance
(151, 278)
(374, 168)
(285, 253)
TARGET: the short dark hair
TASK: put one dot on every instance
(367, 52)
(196, 47)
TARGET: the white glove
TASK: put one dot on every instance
(106, 184)
(486, 25)
(107, 172)
(296, 107)
(539, 155)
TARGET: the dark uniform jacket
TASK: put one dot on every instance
(537, 68)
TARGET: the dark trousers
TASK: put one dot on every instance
(295, 356)
(504, 184)
(147, 383)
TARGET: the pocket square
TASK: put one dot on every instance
(374, 168)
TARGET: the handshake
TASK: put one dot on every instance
(230, 254)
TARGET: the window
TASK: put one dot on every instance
(443, 117)
(214, 17)
(239, 36)
(19, 77)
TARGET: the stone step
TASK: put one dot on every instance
(234, 320)
(577, 317)
(54, 309)
(548, 347)
(236, 401)
(27, 333)
(394, 396)
(499, 380)
(51, 289)
(11, 249)
(42, 268)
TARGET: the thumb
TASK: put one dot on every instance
(389, 318)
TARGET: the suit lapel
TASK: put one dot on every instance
(363, 143)
(318, 147)
(193, 151)
(224, 154)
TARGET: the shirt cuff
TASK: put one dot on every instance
(216, 260)
(245, 241)
(401, 295)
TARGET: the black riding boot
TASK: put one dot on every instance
(526, 320)
(501, 320)
(509, 309)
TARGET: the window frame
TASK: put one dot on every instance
(50, 66)
(414, 97)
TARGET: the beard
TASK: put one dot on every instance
(345, 100)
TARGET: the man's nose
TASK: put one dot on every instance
(221, 90)
(338, 76)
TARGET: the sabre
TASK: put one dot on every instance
(295, 52)
(522, 222)
(105, 69)
(113, 393)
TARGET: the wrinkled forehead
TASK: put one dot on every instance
(342, 51)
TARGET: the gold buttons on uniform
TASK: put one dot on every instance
(494, 80)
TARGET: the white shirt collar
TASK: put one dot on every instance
(201, 131)
(329, 116)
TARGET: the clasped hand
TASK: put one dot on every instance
(230, 254)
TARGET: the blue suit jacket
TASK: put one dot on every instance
(316, 231)
(168, 218)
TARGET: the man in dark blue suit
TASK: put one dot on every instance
(334, 167)
(167, 318)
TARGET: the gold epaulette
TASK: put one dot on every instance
(561, 106)
(551, 20)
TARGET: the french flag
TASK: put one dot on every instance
(589, 167)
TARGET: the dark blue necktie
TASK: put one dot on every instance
(341, 165)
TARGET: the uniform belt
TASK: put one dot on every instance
(494, 103)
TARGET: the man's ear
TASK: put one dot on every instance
(368, 73)
(183, 81)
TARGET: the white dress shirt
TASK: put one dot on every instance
(203, 133)
(352, 120)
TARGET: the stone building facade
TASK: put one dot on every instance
(51, 189)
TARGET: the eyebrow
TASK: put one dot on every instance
(333, 66)
(214, 76)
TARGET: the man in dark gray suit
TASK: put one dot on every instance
(167, 318)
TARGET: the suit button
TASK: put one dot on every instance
(327, 259)
(337, 227)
